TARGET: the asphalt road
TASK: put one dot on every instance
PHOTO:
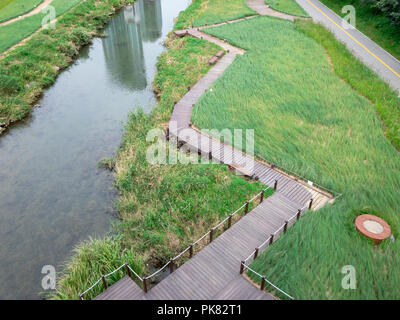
(379, 60)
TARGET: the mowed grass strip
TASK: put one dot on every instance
(287, 6)
(10, 9)
(312, 122)
(162, 208)
(202, 12)
(13, 33)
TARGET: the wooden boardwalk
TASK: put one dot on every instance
(214, 272)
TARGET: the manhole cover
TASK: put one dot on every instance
(373, 227)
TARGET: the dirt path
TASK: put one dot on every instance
(38, 9)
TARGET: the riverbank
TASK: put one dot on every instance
(31, 68)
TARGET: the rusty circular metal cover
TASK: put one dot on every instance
(373, 227)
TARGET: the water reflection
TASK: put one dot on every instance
(151, 16)
(123, 49)
(52, 194)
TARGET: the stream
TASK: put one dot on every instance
(53, 195)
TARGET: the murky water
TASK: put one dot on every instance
(52, 194)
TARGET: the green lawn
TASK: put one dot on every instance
(375, 25)
(202, 12)
(287, 6)
(13, 8)
(15, 32)
(312, 122)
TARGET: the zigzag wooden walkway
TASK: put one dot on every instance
(214, 272)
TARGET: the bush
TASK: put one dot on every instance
(80, 37)
(9, 84)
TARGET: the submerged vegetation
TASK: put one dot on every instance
(162, 208)
(311, 121)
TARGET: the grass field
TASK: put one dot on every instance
(310, 121)
(287, 6)
(15, 32)
(202, 12)
(162, 208)
(10, 9)
(373, 24)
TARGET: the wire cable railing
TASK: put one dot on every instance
(228, 221)
(244, 264)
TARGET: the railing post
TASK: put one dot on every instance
(230, 221)
(167, 134)
(262, 196)
(211, 234)
(285, 227)
(210, 155)
(241, 267)
(145, 285)
(262, 283)
(171, 265)
(104, 282)
(271, 239)
(276, 185)
(246, 210)
(256, 253)
(310, 205)
(128, 272)
(298, 214)
(191, 251)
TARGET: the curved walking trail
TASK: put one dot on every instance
(36, 10)
(374, 56)
(214, 272)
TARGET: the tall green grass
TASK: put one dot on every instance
(202, 12)
(10, 9)
(287, 6)
(312, 122)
